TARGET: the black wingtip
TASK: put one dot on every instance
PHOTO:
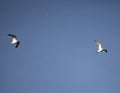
(105, 50)
(9, 34)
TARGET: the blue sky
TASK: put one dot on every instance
(57, 53)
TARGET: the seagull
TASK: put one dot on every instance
(14, 40)
(100, 49)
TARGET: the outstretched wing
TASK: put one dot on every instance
(99, 44)
(17, 44)
(13, 36)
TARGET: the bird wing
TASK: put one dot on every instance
(99, 44)
(17, 44)
(13, 36)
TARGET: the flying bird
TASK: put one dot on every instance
(14, 40)
(100, 49)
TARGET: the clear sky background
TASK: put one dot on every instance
(57, 53)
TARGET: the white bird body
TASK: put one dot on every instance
(14, 41)
(100, 49)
